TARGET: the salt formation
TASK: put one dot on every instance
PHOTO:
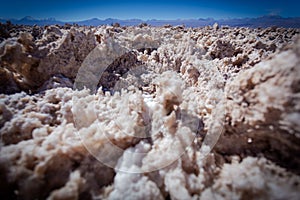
(31, 63)
(145, 112)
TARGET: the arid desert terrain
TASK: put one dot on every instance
(142, 112)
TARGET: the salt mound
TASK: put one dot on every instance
(150, 113)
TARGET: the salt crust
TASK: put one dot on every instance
(44, 136)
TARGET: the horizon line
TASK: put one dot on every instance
(206, 18)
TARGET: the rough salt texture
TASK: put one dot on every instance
(159, 100)
(31, 62)
(263, 107)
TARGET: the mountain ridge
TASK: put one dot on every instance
(262, 21)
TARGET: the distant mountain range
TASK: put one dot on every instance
(264, 21)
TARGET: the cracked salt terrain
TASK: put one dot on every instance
(145, 112)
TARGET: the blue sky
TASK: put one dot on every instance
(68, 10)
